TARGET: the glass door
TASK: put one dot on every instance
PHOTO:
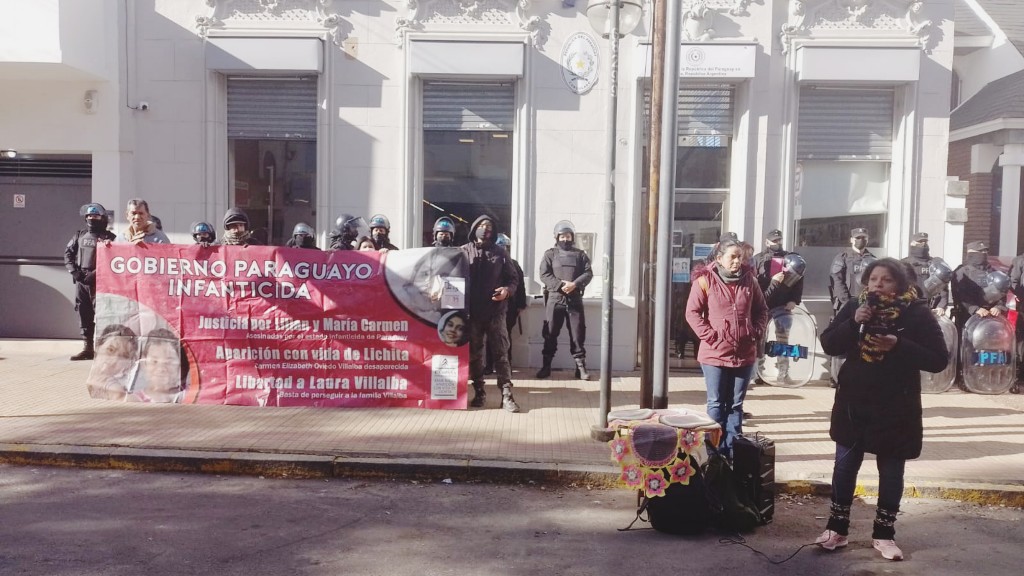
(695, 230)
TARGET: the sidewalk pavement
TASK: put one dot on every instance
(973, 450)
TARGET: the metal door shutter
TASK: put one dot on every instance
(700, 111)
(845, 124)
(272, 108)
(454, 106)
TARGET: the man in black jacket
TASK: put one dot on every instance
(565, 272)
(492, 281)
(921, 259)
(844, 280)
(80, 261)
(782, 286)
(514, 306)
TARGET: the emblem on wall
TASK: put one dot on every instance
(580, 62)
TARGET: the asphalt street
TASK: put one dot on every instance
(64, 522)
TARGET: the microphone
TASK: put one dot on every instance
(873, 302)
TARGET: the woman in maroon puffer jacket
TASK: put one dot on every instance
(726, 310)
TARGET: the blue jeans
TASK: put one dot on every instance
(844, 477)
(727, 387)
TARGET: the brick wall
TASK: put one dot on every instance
(982, 221)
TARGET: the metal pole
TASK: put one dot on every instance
(599, 432)
(648, 254)
(663, 267)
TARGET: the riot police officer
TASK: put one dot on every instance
(565, 272)
(845, 275)
(380, 232)
(780, 274)
(303, 236)
(444, 232)
(203, 233)
(80, 261)
(347, 228)
(514, 307)
(969, 282)
(921, 260)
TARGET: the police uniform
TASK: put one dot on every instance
(767, 264)
(968, 284)
(845, 274)
(564, 264)
(80, 261)
(921, 260)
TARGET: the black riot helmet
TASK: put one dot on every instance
(380, 221)
(303, 235)
(939, 274)
(203, 232)
(444, 225)
(564, 226)
(346, 229)
(997, 284)
(795, 265)
(95, 216)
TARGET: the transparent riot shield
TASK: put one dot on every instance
(788, 348)
(987, 354)
(935, 383)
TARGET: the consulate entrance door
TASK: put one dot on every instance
(695, 230)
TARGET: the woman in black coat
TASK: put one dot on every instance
(888, 336)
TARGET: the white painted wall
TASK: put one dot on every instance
(174, 154)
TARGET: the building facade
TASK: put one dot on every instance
(812, 116)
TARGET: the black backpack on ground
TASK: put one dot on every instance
(683, 510)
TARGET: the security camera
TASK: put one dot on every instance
(143, 106)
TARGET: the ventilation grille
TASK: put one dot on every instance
(45, 168)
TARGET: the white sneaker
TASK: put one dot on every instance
(830, 540)
(888, 548)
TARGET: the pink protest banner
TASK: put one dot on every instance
(270, 326)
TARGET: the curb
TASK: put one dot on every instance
(286, 465)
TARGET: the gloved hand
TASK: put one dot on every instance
(78, 275)
(90, 278)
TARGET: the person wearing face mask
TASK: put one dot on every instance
(380, 231)
(347, 229)
(565, 273)
(969, 281)
(780, 286)
(920, 259)
(303, 236)
(727, 311)
(236, 229)
(492, 283)
(80, 261)
(444, 232)
(968, 288)
(203, 234)
(844, 280)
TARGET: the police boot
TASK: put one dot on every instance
(479, 396)
(507, 401)
(545, 370)
(87, 352)
(581, 369)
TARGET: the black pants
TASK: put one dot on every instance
(85, 304)
(510, 322)
(577, 331)
(490, 331)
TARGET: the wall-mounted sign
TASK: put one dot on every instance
(716, 61)
(19, 200)
(580, 62)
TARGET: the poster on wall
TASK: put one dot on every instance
(273, 326)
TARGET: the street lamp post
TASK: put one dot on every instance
(612, 19)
